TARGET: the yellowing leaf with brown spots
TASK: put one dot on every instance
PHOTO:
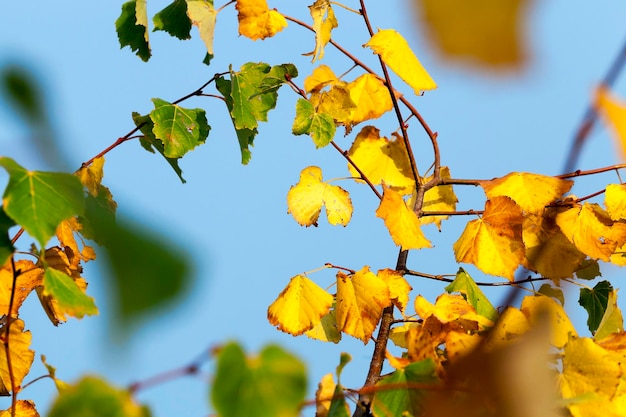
(402, 222)
(613, 111)
(91, 176)
(440, 198)
(21, 356)
(257, 21)
(23, 408)
(615, 201)
(324, 21)
(299, 307)
(321, 77)
(382, 160)
(531, 192)
(592, 231)
(306, 198)
(489, 32)
(371, 98)
(540, 307)
(361, 299)
(30, 277)
(494, 242)
(395, 51)
(399, 288)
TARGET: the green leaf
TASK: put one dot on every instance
(588, 269)
(132, 28)
(39, 201)
(338, 406)
(320, 126)
(203, 15)
(94, 397)
(268, 385)
(612, 320)
(149, 142)
(595, 302)
(99, 215)
(6, 247)
(550, 291)
(402, 399)
(70, 299)
(173, 20)
(21, 90)
(178, 128)
(464, 284)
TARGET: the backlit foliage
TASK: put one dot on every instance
(457, 354)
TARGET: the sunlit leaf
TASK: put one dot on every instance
(336, 102)
(486, 31)
(203, 15)
(615, 201)
(257, 21)
(540, 308)
(95, 397)
(268, 385)
(23, 408)
(322, 76)
(613, 111)
(494, 242)
(68, 297)
(29, 276)
(449, 308)
(371, 98)
(306, 198)
(173, 20)
(179, 129)
(592, 230)
(132, 28)
(39, 201)
(508, 328)
(299, 307)
(402, 222)
(21, 356)
(324, 22)
(91, 176)
(361, 299)
(396, 52)
(326, 330)
(612, 320)
(399, 288)
(440, 198)
(464, 284)
(320, 126)
(398, 334)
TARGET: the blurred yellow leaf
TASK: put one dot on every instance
(538, 308)
(299, 307)
(371, 98)
(440, 198)
(361, 299)
(324, 22)
(305, 200)
(23, 408)
(531, 192)
(257, 21)
(494, 242)
(203, 15)
(613, 111)
(324, 395)
(592, 231)
(21, 356)
(489, 32)
(394, 50)
(399, 288)
(615, 201)
(382, 160)
(321, 77)
(509, 327)
(402, 222)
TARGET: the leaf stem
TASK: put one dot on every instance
(5, 340)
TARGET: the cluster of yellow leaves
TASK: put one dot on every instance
(257, 21)
(304, 307)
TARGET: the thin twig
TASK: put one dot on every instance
(7, 349)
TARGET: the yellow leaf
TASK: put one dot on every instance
(30, 276)
(537, 308)
(23, 408)
(449, 308)
(397, 363)
(257, 21)
(440, 198)
(203, 15)
(422, 341)
(326, 330)
(487, 31)
(321, 77)
(613, 112)
(592, 231)
(371, 98)
(531, 192)
(509, 327)
(619, 256)
(399, 333)
(459, 344)
(305, 200)
(399, 288)
(402, 223)
(324, 395)
(494, 243)
(91, 176)
(545, 242)
(299, 307)
(324, 22)
(361, 299)
(335, 102)
(394, 50)
(382, 160)
(615, 201)
(21, 356)
(612, 321)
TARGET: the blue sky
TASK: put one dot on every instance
(232, 218)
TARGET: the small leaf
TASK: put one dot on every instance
(320, 126)
(132, 28)
(95, 397)
(178, 128)
(21, 356)
(39, 201)
(399, 288)
(203, 15)
(554, 292)
(589, 269)
(29, 277)
(464, 284)
(299, 307)
(615, 201)
(612, 321)
(595, 302)
(61, 385)
(394, 50)
(68, 297)
(439, 198)
(402, 223)
(257, 21)
(173, 20)
(268, 385)
(324, 22)
(370, 97)
(326, 330)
